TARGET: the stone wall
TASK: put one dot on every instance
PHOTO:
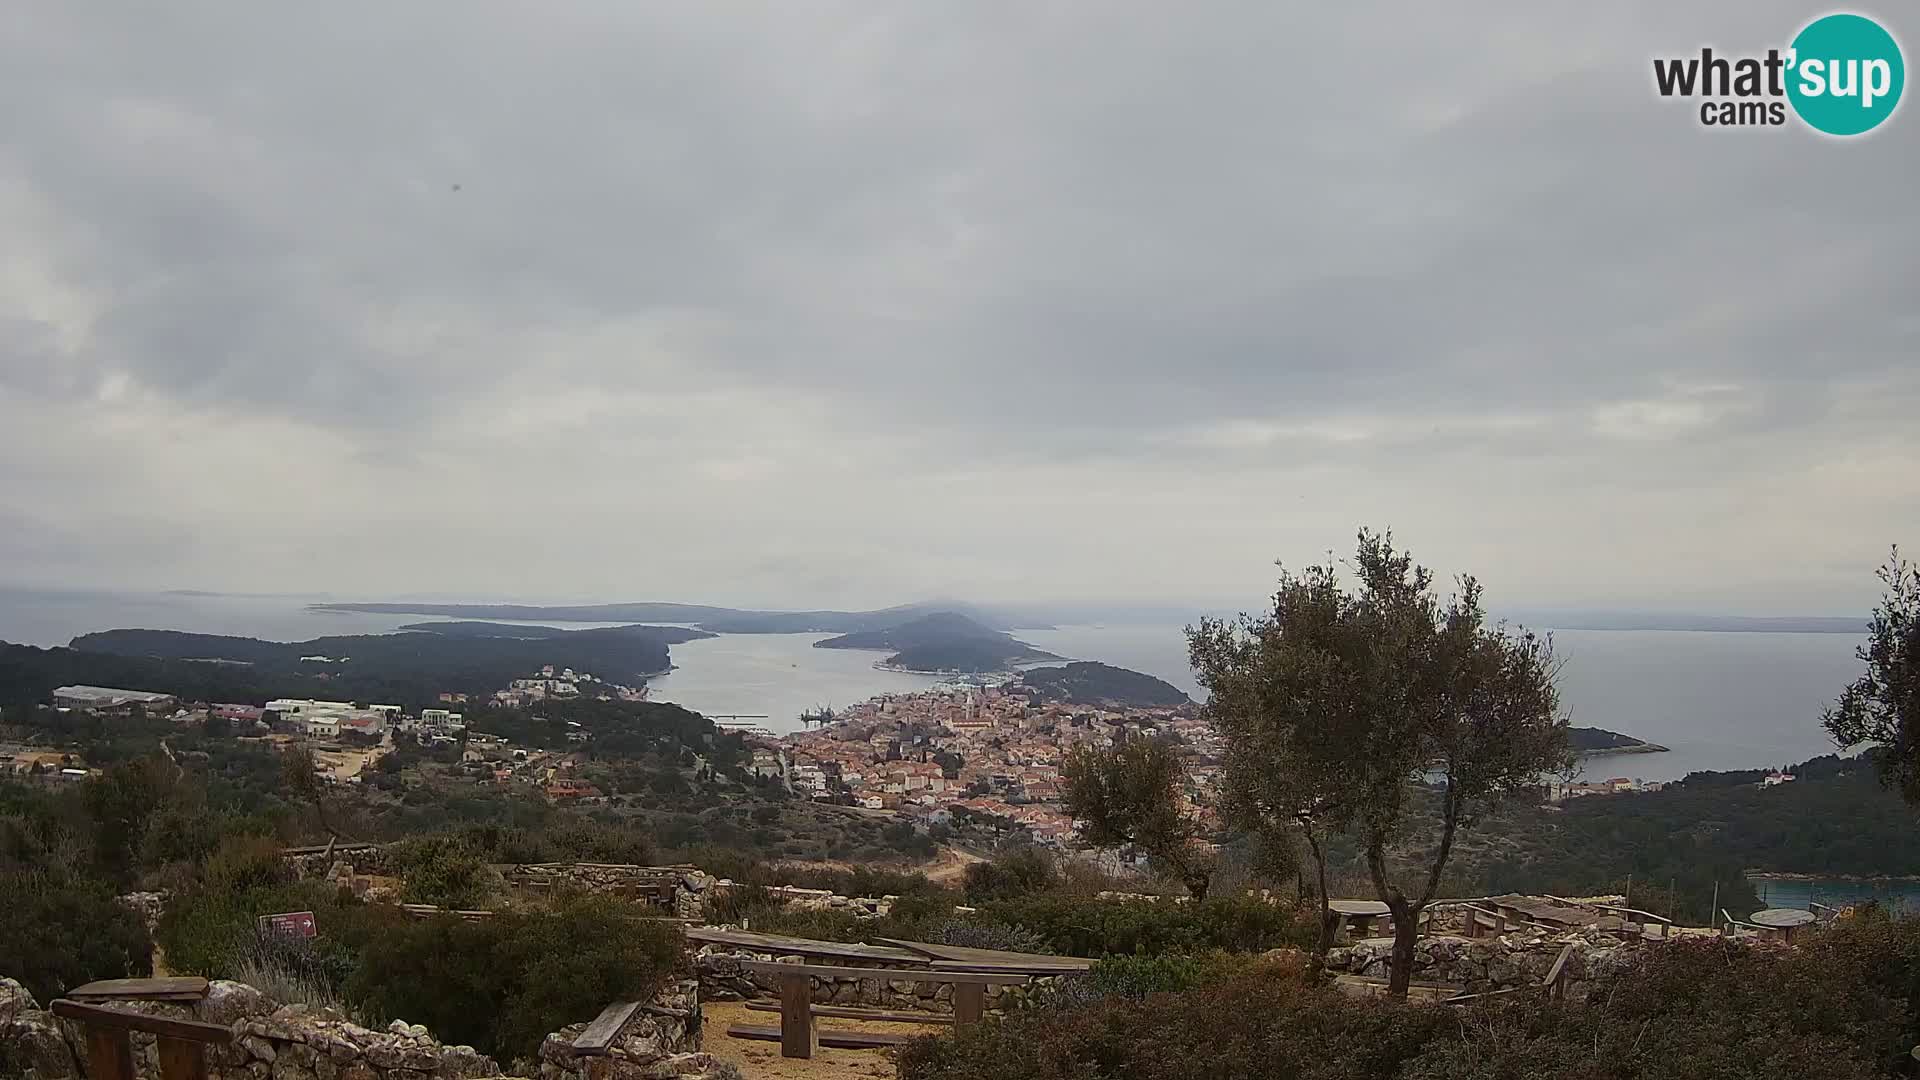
(662, 1040)
(723, 977)
(299, 1042)
(795, 898)
(689, 885)
(351, 864)
(272, 1042)
(1494, 963)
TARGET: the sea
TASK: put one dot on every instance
(1717, 700)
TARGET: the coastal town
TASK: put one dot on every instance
(982, 749)
(990, 750)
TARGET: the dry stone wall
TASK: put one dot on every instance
(661, 1041)
(299, 1042)
(1494, 963)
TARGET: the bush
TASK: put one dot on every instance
(1080, 926)
(1138, 976)
(444, 870)
(57, 932)
(1022, 873)
(1838, 1008)
(214, 931)
(502, 984)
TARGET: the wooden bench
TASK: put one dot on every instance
(180, 988)
(797, 1033)
(182, 1044)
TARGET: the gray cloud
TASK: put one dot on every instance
(848, 303)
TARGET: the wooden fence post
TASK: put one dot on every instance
(798, 1037)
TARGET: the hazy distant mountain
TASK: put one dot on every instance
(942, 641)
(1724, 624)
(719, 620)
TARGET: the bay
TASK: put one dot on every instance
(1717, 700)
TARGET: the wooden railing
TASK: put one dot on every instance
(182, 1044)
(1666, 924)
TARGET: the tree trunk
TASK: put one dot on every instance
(1325, 941)
(1406, 933)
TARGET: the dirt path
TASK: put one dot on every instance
(951, 866)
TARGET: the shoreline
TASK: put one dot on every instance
(1788, 875)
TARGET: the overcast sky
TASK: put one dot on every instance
(854, 304)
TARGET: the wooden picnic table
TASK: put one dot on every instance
(1358, 915)
(797, 1034)
(1782, 919)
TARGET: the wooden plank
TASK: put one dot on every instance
(1462, 999)
(605, 1028)
(172, 989)
(798, 1036)
(828, 971)
(1035, 970)
(987, 958)
(182, 1059)
(847, 1012)
(1555, 989)
(109, 1053)
(838, 1040)
(97, 1017)
(969, 1004)
(780, 943)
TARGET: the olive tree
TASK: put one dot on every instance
(1385, 711)
(1882, 707)
(1131, 796)
(1283, 772)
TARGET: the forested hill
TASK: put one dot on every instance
(942, 641)
(1834, 820)
(1593, 740)
(1085, 682)
(406, 668)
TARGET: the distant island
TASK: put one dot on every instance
(1714, 624)
(1085, 682)
(1593, 741)
(944, 642)
(718, 620)
(408, 668)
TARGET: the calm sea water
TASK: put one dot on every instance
(1718, 700)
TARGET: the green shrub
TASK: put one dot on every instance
(57, 932)
(444, 870)
(1083, 926)
(214, 931)
(1838, 1008)
(502, 984)
(1138, 976)
(1021, 873)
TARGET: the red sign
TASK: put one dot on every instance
(293, 924)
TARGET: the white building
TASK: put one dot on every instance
(106, 697)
